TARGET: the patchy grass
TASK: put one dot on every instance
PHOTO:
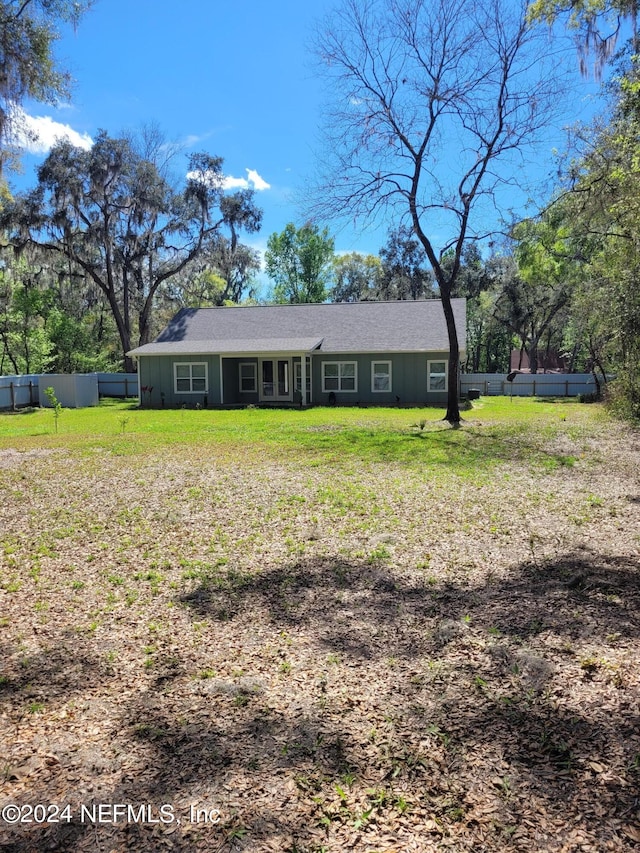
(496, 429)
(332, 629)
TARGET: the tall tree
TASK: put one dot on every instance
(534, 297)
(24, 305)
(299, 260)
(357, 278)
(28, 69)
(405, 273)
(488, 338)
(113, 214)
(599, 204)
(47, 322)
(408, 76)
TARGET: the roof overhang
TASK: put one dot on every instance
(245, 347)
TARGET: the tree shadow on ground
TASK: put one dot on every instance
(488, 720)
(366, 609)
(352, 605)
(479, 446)
(51, 675)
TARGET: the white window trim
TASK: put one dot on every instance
(446, 375)
(375, 390)
(254, 367)
(190, 365)
(340, 390)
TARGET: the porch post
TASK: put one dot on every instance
(221, 382)
(303, 378)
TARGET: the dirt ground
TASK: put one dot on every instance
(205, 652)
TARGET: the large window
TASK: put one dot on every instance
(248, 377)
(436, 376)
(339, 376)
(190, 377)
(380, 376)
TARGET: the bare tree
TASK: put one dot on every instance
(433, 106)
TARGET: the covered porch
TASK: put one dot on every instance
(276, 372)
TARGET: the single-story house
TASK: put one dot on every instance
(347, 353)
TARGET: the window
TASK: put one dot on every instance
(339, 376)
(436, 376)
(190, 378)
(248, 377)
(381, 376)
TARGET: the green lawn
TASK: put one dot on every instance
(497, 428)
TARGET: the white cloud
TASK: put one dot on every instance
(38, 134)
(253, 181)
(230, 183)
(191, 140)
(258, 182)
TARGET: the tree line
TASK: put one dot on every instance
(109, 243)
(83, 282)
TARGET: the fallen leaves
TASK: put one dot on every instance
(200, 647)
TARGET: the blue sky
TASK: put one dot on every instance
(235, 79)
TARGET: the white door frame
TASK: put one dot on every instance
(281, 382)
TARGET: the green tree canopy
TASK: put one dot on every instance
(599, 204)
(597, 25)
(299, 260)
(405, 267)
(48, 323)
(114, 215)
(541, 288)
(357, 278)
(28, 68)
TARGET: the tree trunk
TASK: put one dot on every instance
(453, 404)
(123, 331)
(144, 324)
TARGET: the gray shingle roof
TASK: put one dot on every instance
(404, 326)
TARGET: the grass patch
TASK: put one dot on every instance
(496, 429)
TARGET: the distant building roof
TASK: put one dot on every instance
(341, 327)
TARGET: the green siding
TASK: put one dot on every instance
(157, 372)
(231, 382)
(408, 378)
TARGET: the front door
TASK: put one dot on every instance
(275, 384)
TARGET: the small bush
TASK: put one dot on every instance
(622, 398)
(54, 403)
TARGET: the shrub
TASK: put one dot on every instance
(622, 397)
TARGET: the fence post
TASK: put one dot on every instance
(126, 387)
(534, 387)
(31, 392)
(566, 387)
(13, 397)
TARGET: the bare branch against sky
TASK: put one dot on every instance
(434, 108)
(437, 100)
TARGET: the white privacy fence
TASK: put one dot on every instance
(19, 391)
(529, 385)
(16, 392)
